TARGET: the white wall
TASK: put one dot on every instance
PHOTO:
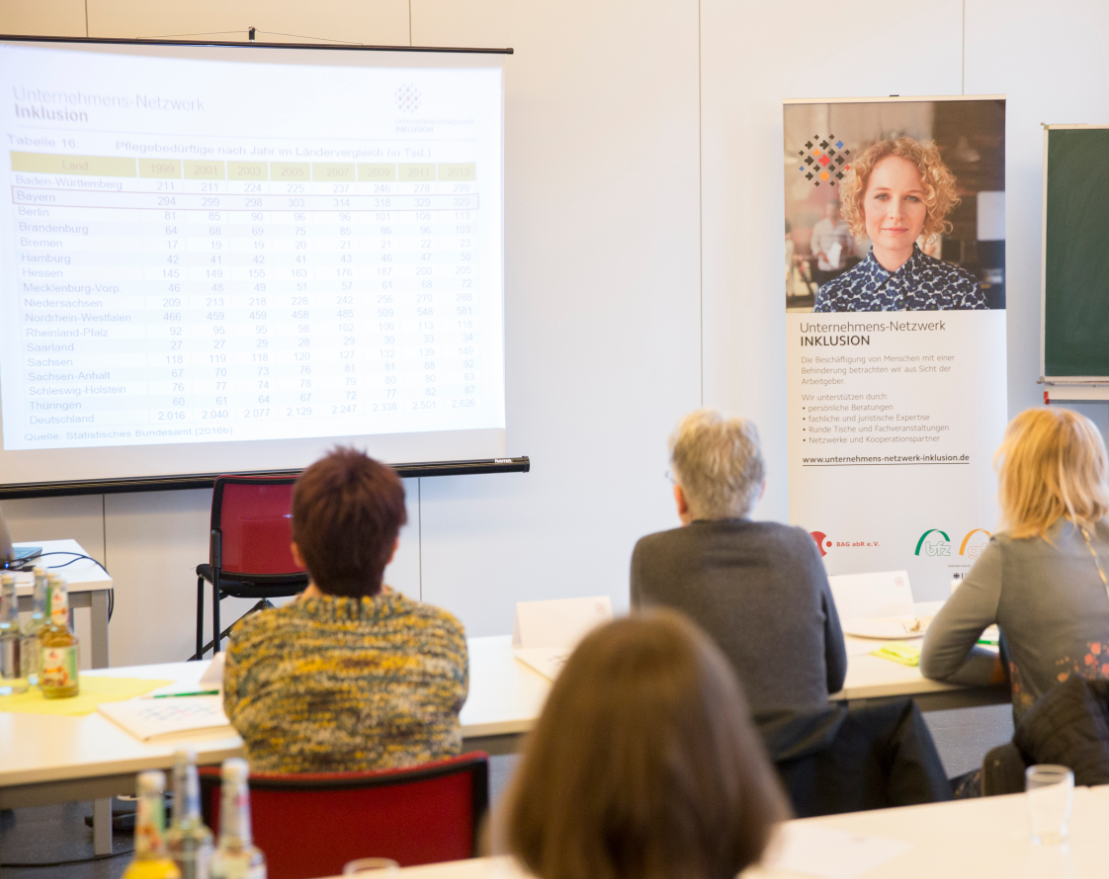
(643, 242)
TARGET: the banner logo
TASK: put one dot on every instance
(972, 549)
(822, 542)
(824, 159)
(937, 546)
(935, 542)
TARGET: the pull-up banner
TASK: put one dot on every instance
(895, 301)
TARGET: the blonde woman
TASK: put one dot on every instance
(1044, 579)
(643, 765)
(896, 191)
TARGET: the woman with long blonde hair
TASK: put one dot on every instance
(1044, 580)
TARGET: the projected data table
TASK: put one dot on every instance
(169, 298)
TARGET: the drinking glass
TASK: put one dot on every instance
(1049, 792)
(366, 865)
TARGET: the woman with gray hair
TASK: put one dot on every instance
(758, 588)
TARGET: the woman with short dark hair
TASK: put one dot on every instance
(644, 763)
(351, 675)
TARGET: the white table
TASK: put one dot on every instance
(46, 759)
(506, 695)
(974, 838)
(88, 587)
(871, 677)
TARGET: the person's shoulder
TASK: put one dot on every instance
(265, 622)
(661, 541)
(266, 627)
(859, 271)
(430, 616)
(948, 270)
(792, 538)
(836, 294)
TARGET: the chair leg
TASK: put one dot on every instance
(215, 613)
(199, 617)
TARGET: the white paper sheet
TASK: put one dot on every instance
(214, 673)
(548, 661)
(884, 594)
(146, 719)
(559, 623)
(830, 854)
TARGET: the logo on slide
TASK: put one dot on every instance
(408, 99)
(939, 545)
(822, 542)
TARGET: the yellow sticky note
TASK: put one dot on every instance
(906, 654)
(94, 691)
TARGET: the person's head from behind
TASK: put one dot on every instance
(717, 466)
(347, 512)
(644, 763)
(1052, 463)
(831, 209)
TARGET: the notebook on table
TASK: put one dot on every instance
(149, 719)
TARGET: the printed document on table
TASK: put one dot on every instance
(147, 719)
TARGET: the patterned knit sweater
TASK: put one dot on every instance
(334, 684)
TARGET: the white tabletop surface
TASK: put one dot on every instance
(80, 576)
(987, 837)
(40, 747)
(506, 697)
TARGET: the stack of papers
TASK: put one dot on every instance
(148, 719)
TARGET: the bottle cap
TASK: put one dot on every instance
(39, 571)
(184, 756)
(235, 769)
(152, 781)
(7, 579)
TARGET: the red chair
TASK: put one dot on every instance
(311, 824)
(249, 555)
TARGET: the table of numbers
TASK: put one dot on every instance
(228, 299)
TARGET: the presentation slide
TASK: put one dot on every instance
(228, 258)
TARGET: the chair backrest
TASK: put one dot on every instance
(253, 515)
(311, 824)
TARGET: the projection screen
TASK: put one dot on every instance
(229, 258)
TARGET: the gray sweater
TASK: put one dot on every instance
(760, 591)
(1047, 598)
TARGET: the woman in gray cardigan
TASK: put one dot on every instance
(1043, 581)
(757, 588)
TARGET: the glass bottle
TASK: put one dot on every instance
(11, 640)
(236, 856)
(188, 841)
(151, 861)
(58, 665)
(30, 654)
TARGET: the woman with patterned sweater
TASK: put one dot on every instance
(351, 675)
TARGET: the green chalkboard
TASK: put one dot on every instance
(1076, 269)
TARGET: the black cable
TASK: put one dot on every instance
(7, 865)
(111, 592)
(78, 558)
